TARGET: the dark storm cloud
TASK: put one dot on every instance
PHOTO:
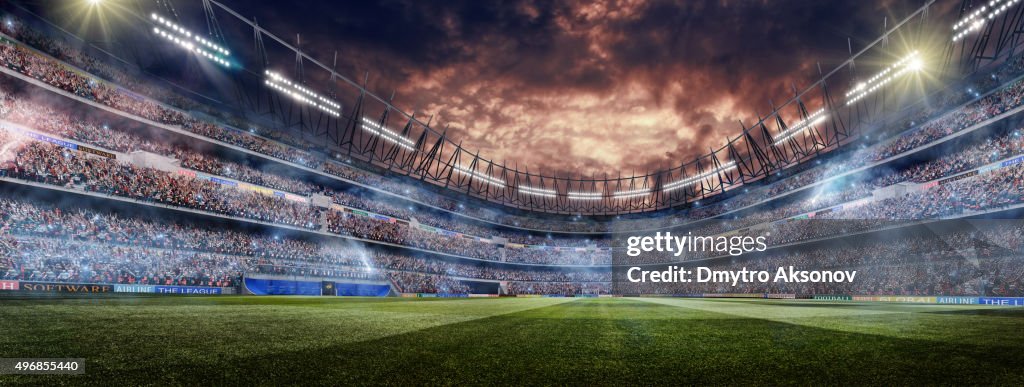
(584, 87)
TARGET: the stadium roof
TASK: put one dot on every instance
(253, 66)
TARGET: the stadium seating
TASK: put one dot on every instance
(422, 240)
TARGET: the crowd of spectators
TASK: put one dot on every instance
(50, 163)
(65, 261)
(559, 288)
(410, 282)
(48, 243)
(980, 262)
(558, 257)
(42, 242)
(992, 149)
(54, 165)
(42, 117)
(56, 74)
(1005, 98)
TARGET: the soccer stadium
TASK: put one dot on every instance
(222, 192)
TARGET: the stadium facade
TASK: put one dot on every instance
(114, 180)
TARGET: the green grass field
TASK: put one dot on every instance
(339, 341)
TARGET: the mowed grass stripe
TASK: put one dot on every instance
(964, 324)
(606, 342)
(130, 335)
(617, 341)
(628, 341)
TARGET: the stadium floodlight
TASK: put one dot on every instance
(572, 195)
(302, 94)
(909, 63)
(548, 193)
(189, 41)
(694, 179)
(481, 176)
(811, 120)
(977, 19)
(387, 134)
(915, 64)
(631, 193)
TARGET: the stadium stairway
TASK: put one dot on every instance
(323, 221)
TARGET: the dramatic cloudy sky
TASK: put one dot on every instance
(584, 87)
